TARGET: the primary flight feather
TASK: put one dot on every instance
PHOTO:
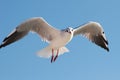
(57, 39)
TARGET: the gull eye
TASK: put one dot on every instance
(103, 32)
(66, 30)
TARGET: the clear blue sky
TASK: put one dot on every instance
(85, 61)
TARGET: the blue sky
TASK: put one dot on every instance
(85, 61)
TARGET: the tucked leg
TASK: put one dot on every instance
(52, 58)
(56, 55)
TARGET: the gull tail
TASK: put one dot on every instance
(47, 52)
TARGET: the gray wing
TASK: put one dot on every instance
(94, 32)
(38, 25)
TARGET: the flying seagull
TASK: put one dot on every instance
(57, 39)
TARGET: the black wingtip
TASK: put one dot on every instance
(1, 46)
(107, 49)
(100, 41)
(105, 46)
(4, 43)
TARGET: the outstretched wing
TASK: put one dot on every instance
(38, 25)
(94, 32)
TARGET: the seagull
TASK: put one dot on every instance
(56, 38)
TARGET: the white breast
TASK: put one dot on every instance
(61, 40)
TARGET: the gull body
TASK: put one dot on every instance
(57, 39)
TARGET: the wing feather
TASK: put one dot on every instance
(38, 25)
(94, 32)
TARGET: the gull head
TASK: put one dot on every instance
(68, 30)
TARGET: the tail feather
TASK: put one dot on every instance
(62, 50)
(47, 52)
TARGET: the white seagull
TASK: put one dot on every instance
(57, 39)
